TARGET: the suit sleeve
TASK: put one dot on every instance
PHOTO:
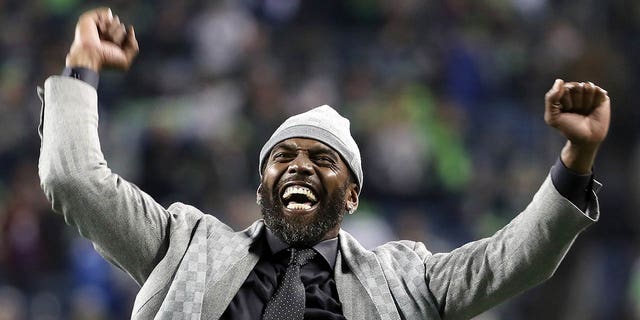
(125, 224)
(526, 252)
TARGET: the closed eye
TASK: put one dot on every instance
(282, 156)
(324, 160)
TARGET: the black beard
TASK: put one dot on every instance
(299, 231)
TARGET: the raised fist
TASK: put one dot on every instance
(581, 112)
(102, 41)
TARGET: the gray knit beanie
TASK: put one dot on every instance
(324, 124)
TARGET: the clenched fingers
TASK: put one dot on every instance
(577, 92)
(130, 45)
(566, 101)
(588, 96)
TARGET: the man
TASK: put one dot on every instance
(297, 262)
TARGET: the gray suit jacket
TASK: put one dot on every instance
(190, 265)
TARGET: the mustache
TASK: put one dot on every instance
(296, 178)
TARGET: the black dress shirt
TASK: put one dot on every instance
(321, 295)
(85, 74)
(571, 185)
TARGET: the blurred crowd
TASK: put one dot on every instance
(445, 99)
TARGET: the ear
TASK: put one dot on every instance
(352, 198)
(258, 196)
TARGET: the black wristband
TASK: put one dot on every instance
(85, 74)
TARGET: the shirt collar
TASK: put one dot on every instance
(328, 249)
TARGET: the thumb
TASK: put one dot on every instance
(552, 104)
(556, 92)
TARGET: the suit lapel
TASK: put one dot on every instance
(356, 302)
(231, 261)
(357, 269)
(153, 292)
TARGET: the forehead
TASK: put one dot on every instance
(307, 144)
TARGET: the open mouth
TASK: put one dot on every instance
(297, 197)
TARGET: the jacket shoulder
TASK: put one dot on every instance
(404, 265)
(403, 250)
(215, 228)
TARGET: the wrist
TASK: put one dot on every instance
(578, 158)
(83, 59)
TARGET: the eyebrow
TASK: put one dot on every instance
(321, 149)
(318, 149)
(284, 145)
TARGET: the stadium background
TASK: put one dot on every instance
(446, 101)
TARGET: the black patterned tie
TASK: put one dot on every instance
(288, 301)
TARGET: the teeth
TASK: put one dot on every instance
(299, 190)
(298, 206)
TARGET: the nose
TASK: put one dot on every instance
(301, 165)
